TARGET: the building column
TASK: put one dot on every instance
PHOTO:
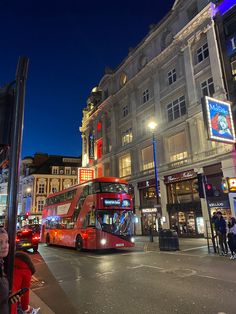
(138, 229)
(189, 75)
(156, 91)
(215, 62)
(114, 128)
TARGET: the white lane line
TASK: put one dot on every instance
(194, 248)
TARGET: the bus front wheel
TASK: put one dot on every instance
(79, 243)
(47, 240)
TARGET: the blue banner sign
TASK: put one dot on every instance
(219, 120)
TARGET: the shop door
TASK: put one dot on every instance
(149, 219)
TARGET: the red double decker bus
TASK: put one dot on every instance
(97, 214)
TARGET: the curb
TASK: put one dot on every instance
(36, 302)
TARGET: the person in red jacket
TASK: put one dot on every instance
(22, 274)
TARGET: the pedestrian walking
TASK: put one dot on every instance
(23, 271)
(232, 237)
(221, 233)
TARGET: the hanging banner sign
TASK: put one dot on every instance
(219, 121)
(91, 146)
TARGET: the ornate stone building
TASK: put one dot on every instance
(42, 175)
(164, 78)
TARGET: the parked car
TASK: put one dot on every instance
(28, 237)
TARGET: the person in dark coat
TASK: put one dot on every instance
(221, 233)
(23, 271)
(4, 285)
(232, 237)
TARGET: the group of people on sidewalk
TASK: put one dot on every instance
(225, 232)
(16, 302)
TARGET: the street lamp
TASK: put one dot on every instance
(152, 126)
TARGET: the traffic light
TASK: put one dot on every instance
(7, 100)
(209, 189)
(198, 185)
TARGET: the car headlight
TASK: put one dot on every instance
(132, 239)
(103, 241)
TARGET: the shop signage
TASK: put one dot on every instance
(232, 184)
(180, 176)
(219, 121)
(218, 204)
(149, 210)
(147, 183)
(85, 174)
(231, 45)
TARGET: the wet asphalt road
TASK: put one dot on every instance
(136, 281)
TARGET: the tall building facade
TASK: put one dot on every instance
(42, 175)
(164, 78)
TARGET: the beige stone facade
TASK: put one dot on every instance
(163, 79)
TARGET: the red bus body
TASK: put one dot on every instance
(97, 214)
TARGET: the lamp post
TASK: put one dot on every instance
(152, 126)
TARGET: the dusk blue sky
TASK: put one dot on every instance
(69, 44)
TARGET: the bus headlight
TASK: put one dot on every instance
(132, 239)
(103, 241)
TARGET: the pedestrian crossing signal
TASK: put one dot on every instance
(209, 189)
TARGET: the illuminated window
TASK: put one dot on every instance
(202, 53)
(177, 147)
(147, 158)
(176, 109)
(207, 87)
(127, 137)
(125, 165)
(171, 76)
(145, 96)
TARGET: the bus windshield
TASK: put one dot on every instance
(113, 187)
(117, 222)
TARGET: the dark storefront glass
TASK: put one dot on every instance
(184, 208)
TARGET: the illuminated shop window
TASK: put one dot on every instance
(125, 165)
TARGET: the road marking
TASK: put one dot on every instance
(194, 248)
